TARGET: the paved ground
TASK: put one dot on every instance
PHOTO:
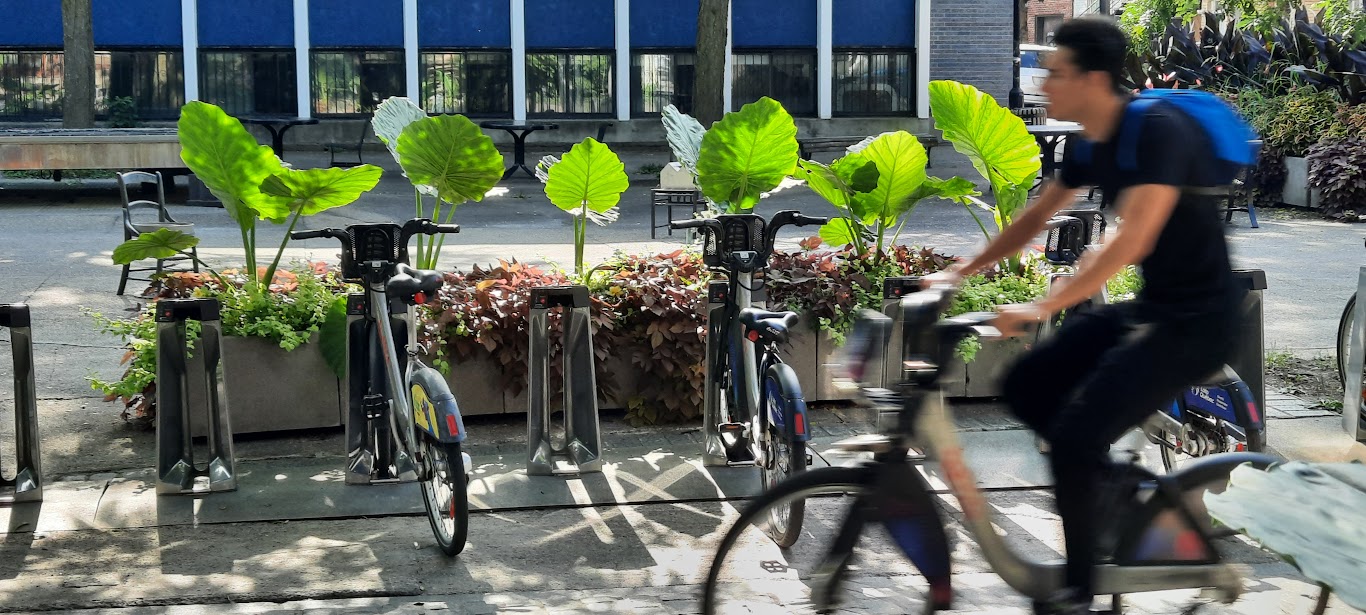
(593, 549)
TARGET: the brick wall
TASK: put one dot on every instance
(970, 42)
(1036, 8)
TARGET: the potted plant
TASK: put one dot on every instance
(266, 312)
(1299, 119)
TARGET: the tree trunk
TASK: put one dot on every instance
(78, 65)
(713, 23)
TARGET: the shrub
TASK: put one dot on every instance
(1338, 169)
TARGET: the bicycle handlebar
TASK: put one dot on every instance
(679, 225)
(327, 232)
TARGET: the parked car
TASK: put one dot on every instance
(1033, 73)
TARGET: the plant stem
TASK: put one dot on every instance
(881, 228)
(897, 236)
(429, 262)
(270, 271)
(978, 220)
(418, 194)
(249, 246)
(440, 241)
(580, 235)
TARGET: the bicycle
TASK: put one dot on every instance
(1157, 543)
(408, 437)
(747, 423)
(1344, 339)
(1217, 415)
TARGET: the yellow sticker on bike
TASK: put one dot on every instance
(424, 411)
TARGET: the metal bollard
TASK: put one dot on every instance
(27, 484)
(582, 451)
(1352, 415)
(713, 450)
(893, 289)
(176, 470)
(363, 465)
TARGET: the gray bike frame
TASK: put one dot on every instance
(714, 453)
(401, 423)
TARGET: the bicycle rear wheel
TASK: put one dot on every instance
(750, 574)
(444, 494)
(785, 457)
(1344, 338)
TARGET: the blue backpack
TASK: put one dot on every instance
(1231, 137)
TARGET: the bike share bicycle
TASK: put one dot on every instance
(1158, 542)
(391, 436)
(1344, 339)
(746, 422)
(1217, 415)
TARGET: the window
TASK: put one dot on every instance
(154, 79)
(874, 83)
(660, 79)
(354, 82)
(30, 84)
(568, 83)
(475, 83)
(788, 77)
(1044, 27)
(245, 82)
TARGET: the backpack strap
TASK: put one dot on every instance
(1127, 148)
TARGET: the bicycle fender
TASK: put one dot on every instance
(902, 502)
(797, 428)
(434, 407)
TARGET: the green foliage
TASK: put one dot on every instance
(1338, 169)
(1300, 118)
(123, 112)
(161, 243)
(1144, 21)
(685, 136)
(587, 184)
(1339, 16)
(747, 153)
(136, 388)
(984, 291)
(1124, 286)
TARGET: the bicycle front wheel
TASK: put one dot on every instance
(444, 494)
(837, 559)
(1345, 337)
(785, 457)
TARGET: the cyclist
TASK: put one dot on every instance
(1106, 370)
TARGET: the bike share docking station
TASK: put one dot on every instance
(1353, 415)
(180, 380)
(582, 449)
(27, 484)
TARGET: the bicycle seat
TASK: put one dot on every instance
(767, 326)
(1221, 377)
(408, 282)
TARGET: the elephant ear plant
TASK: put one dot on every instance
(998, 145)
(253, 185)
(587, 184)
(445, 157)
(744, 155)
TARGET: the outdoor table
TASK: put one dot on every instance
(278, 125)
(1312, 514)
(519, 132)
(1049, 136)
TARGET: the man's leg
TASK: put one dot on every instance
(1041, 381)
(1126, 385)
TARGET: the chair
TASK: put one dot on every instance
(132, 228)
(359, 146)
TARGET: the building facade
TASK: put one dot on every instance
(514, 59)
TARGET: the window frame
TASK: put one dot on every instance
(51, 106)
(292, 80)
(674, 52)
(313, 82)
(809, 52)
(611, 99)
(423, 82)
(912, 100)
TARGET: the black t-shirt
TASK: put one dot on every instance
(1188, 272)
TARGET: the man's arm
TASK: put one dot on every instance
(1023, 229)
(1146, 209)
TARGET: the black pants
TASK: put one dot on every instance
(1103, 374)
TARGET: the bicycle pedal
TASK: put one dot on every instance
(374, 406)
(735, 439)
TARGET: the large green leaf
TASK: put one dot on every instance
(747, 153)
(590, 174)
(954, 189)
(838, 232)
(993, 138)
(314, 190)
(391, 117)
(900, 161)
(223, 155)
(684, 133)
(824, 181)
(332, 337)
(856, 171)
(1275, 507)
(450, 154)
(161, 243)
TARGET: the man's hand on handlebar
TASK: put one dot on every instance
(1015, 318)
(950, 276)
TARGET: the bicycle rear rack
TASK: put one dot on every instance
(27, 484)
(582, 450)
(178, 382)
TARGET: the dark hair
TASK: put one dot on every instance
(1097, 44)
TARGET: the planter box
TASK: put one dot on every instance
(982, 378)
(1296, 190)
(271, 389)
(477, 386)
(803, 356)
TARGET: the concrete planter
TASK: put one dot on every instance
(1296, 190)
(982, 377)
(271, 389)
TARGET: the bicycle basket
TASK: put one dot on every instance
(372, 242)
(739, 233)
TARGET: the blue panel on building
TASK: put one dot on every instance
(664, 24)
(574, 24)
(463, 23)
(31, 23)
(874, 23)
(136, 23)
(765, 23)
(246, 23)
(355, 23)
